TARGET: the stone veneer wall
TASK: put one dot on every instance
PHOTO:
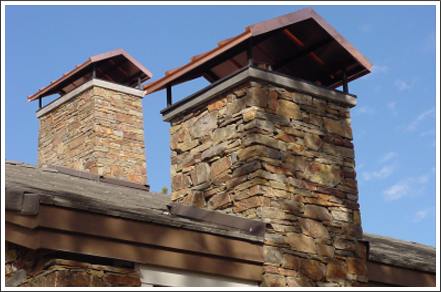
(267, 152)
(41, 268)
(100, 131)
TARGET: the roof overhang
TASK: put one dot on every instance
(300, 44)
(116, 66)
(64, 229)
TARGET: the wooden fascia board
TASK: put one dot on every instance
(398, 276)
(161, 83)
(117, 249)
(136, 232)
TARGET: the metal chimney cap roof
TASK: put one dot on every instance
(115, 66)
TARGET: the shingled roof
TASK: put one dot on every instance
(83, 191)
(88, 192)
(401, 253)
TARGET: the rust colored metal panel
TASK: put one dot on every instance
(116, 66)
(312, 34)
(397, 276)
(178, 72)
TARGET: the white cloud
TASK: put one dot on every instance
(382, 173)
(420, 215)
(421, 117)
(365, 110)
(379, 69)
(425, 177)
(402, 85)
(397, 191)
(392, 107)
(407, 186)
(429, 43)
(430, 132)
(387, 156)
(366, 28)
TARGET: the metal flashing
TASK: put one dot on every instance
(99, 178)
(245, 225)
(85, 86)
(18, 200)
(250, 73)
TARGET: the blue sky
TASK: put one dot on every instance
(395, 129)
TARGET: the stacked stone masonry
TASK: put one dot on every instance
(287, 158)
(99, 131)
(41, 268)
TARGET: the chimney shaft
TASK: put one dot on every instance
(97, 127)
(279, 150)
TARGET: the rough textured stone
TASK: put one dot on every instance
(200, 174)
(344, 244)
(204, 125)
(312, 141)
(264, 140)
(301, 98)
(293, 207)
(246, 169)
(255, 150)
(356, 266)
(246, 204)
(261, 124)
(272, 255)
(313, 228)
(288, 109)
(328, 175)
(338, 127)
(270, 280)
(325, 250)
(99, 131)
(301, 242)
(316, 212)
(179, 182)
(283, 157)
(219, 200)
(295, 162)
(338, 150)
(290, 262)
(213, 151)
(313, 269)
(223, 134)
(220, 166)
(336, 271)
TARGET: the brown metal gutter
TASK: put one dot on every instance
(386, 275)
(95, 234)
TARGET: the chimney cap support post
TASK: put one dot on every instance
(169, 95)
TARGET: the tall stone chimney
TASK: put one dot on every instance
(96, 125)
(275, 144)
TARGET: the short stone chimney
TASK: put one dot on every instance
(274, 143)
(96, 125)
